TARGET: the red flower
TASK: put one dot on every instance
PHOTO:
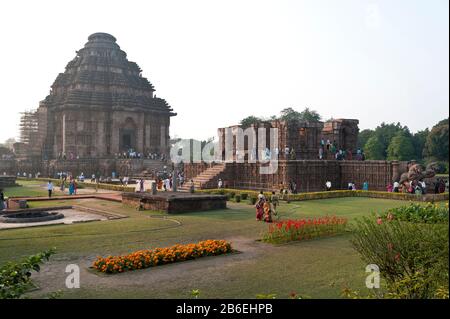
(379, 221)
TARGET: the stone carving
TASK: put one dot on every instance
(417, 172)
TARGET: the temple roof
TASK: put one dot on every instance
(100, 76)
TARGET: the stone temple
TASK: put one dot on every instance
(100, 106)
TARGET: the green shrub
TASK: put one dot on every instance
(237, 198)
(244, 196)
(416, 213)
(253, 200)
(15, 278)
(232, 194)
(412, 257)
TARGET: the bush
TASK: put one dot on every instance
(416, 213)
(15, 278)
(244, 196)
(253, 200)
(232, 194)
(412, 257)
(237, 198)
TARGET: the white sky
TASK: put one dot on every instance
(216, 62)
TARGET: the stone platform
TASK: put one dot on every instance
(7, 181)
(174, 202)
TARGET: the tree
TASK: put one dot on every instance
(436, 145)
(419, 140)
(310, 115)
(385, 133)
(363, 137)
(374, 149)
(249, 120)
(401, 147)
(290, 115)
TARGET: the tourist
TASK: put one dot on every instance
(293, 155)
(390, 188)
(294, 187)
(50, 188)
(75, 187)
(354, 186)
(365, 186)
(267, 212)
(328, 145)
(436, 186)
(423, 186)
(220, 183)
(260, 206)
(141, 185)
(328, 185)
(71, 187)
(286, 152)
(321, 153)
(441, 186)
(93, 178)
(274, 202)
(166, 184)
(396, 187)
(322, 142)
(2, 200)
(350, 186)
(192, 187)
(62, 186)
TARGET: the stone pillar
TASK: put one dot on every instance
(64, 134)
(163, 138)
(140, 133)
(100, 142)
(147, 136)
(395, 171)
(115, 138)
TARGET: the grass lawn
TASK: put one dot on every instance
(319, 268)
(26, 188)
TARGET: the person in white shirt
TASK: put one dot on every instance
(49, 188)
(220, 183)
(328, 185)
(396, 186)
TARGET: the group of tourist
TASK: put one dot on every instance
(337, 153)
(266, 209)
(133, 154)
(417, 187)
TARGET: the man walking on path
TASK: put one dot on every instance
(50, 188)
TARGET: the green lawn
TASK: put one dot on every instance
(318, 268)
(26, 188)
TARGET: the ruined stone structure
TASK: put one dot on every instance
(100, 106)
(238, 167)
(303, 137)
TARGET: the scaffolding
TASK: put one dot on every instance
(29, 126)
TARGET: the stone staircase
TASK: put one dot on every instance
(206, 179)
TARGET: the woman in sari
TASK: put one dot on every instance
(267, 212)
(71, 188)
(260, 207)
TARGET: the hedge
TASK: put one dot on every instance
(334, 194)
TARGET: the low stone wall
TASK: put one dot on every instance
(174, 203)
(7, 181)
(309, 175)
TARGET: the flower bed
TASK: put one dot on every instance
(160, 256)
(294, 230)
(415, 213)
